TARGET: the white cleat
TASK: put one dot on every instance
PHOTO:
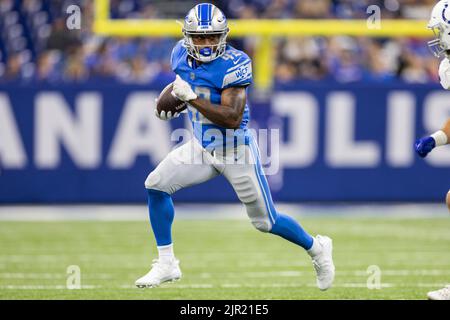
(161, 272)
(323, 263)
(442, 294)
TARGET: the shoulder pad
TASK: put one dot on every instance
(177, 52)
(238, 69)
(444, 73)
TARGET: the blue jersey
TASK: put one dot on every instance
(208, 80)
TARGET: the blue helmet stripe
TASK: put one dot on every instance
(209, 13)
(443, 14)
(204, 12)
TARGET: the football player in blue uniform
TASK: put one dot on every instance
(213, 78)
(440, 24)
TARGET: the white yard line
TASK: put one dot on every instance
(44, 287)
(400, 273)
(433, 285)
(295, 274)
(31, 275)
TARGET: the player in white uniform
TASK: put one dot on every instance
(213, 77)
(440, 24)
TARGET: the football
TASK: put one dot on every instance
(167, 102)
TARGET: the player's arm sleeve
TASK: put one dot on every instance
(177, 52)
(239, 75)
(444, 73)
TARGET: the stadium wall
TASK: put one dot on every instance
(93, 143)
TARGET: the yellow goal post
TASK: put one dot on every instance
(263, 30)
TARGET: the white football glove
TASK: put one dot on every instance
(444, 73)
(165, 116)
(182, 90)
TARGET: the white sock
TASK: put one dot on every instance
(315, 249)
(166, 252)
(440, 137)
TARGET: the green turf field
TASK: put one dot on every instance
(225, 259)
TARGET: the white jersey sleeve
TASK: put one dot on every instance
(444, 73)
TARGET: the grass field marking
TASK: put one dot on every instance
(231, 285)
(224, 286)
(44, 287)
(251, 274)
(210, 255)
(173, 286)
(363, 285)
(274, 264)
(287, 273)
(93, 287)
(256, 274)
(432, 285)
(126, 257)
(294, 285)
(424, 272)
(292, 273)
(264, 285)
(34, 275)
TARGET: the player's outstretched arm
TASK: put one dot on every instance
(228, 114)
(424, 145)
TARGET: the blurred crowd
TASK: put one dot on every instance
(36, 45)
(346, 60)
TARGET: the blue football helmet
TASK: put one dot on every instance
(205, 19)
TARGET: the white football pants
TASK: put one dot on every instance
(191, 164)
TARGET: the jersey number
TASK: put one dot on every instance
(203, 93)
(232, 55)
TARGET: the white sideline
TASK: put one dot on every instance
(215, 211)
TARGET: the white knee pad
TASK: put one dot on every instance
(246, 189)
(258, 215)
(262, 225)
(153, 181)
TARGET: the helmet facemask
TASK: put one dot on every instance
(205, 53)
(439, 23)
(439, 46)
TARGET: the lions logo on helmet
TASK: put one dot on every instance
(205, 19)
(440, 24)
